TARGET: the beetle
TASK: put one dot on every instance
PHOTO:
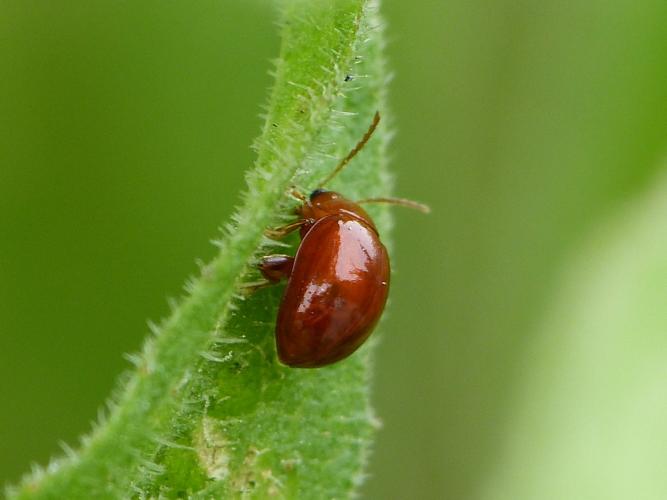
(338, 281)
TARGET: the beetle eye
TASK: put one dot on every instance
(316, 193)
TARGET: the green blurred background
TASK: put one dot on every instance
(124, 133)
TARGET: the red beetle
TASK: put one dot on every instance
(338, 281)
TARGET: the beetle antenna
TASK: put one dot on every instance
(360, 145)
(425, 209)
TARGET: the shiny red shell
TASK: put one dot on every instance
(337, 287)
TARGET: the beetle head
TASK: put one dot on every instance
(322, 203)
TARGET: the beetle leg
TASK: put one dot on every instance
(273, 269)
(295, 193)
(282, 231)
(276, 267)
(251, 287)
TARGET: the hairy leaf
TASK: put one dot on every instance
(208, 411)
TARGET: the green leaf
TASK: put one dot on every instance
(209, 411)
(589, 417)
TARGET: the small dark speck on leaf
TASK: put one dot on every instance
(348, 78)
